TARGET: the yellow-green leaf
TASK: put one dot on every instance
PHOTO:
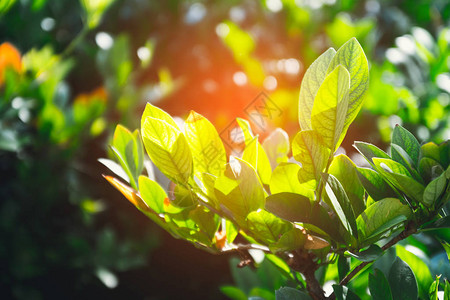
(284, 179)
(255, 155)
(239, 190)
(330, 108)
(157, 113)
(309, 150)
(352, 57)
(207, 148)
(168, 149)
(311, 82)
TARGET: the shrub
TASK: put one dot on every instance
(315, 211)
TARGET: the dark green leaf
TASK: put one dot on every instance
(343, 293)
(429, 168)
(380, 217)
(399, 155)
(345, 171)
(379, 286)
(291, 240)
(434, 190)
(297, 208)
(288, 293)
(370, 254)
(374, 184)
(370, 151)
(407, 142)
(402, 281)
(343, 265)
(440, 223)
(340, 203)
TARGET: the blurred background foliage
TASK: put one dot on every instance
(71, 70)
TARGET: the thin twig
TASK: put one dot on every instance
(409, 230)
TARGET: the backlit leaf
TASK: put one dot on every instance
(330, 108)
(311, 82)
(157, 113)
(255, 155)
(277, 147)
(284, 179)
(239, 189)
(267, 227)
(168, 149)
(352, 57)
(207, 148)
(309, 150)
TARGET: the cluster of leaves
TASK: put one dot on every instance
(301, 211)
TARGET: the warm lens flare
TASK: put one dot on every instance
(9, 58)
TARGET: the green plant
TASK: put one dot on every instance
(303, 216)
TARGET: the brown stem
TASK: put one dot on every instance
(409, 230)
(313, 286)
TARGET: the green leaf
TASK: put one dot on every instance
(402, 281)
(255, 155)
(370, 254)
(370, 151)
(407, 142)
(437, 224)
(127, 147)
(399, 155)
(239, 189)
(429, 168)
(153, 194)
(434, 289)
(447, 290)
(233, 292)
(418, 267)
(297, 208)
(309, 150)
(312, 80)
(330, 108)
(340, 203)
(399, 176)
(345, 171)
(267, 227)
(344, 293)
(352, 57)
(284, 179)
(157, 113)
(207, 221)
(208, 151)
(380, 217)
(288, 293)
(94, 10)
(168, 149)
(379, 286)
(289, 241)
(343, 265)
(374, 184)
(277, 146)
(434, 190)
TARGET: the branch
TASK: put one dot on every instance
(409, 230)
